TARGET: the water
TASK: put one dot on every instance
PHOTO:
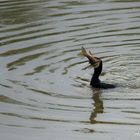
(44, 82)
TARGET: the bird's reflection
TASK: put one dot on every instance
(98, 105)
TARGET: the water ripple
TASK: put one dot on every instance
(44, 82)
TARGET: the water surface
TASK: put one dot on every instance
(44, 82)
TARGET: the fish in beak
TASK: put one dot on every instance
(93, 60)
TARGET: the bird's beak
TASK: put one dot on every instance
(94, 61)
(96, 65)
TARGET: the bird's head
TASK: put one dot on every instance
(93, 60)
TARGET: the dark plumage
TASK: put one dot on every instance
(95, 81)
(97, 64)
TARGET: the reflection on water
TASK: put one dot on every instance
(98, 106)
(44, 83)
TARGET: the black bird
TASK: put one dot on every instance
(97, 64)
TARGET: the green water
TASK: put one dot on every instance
(44, 83)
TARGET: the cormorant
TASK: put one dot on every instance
(97, 64)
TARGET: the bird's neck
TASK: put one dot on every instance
(96, 74)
